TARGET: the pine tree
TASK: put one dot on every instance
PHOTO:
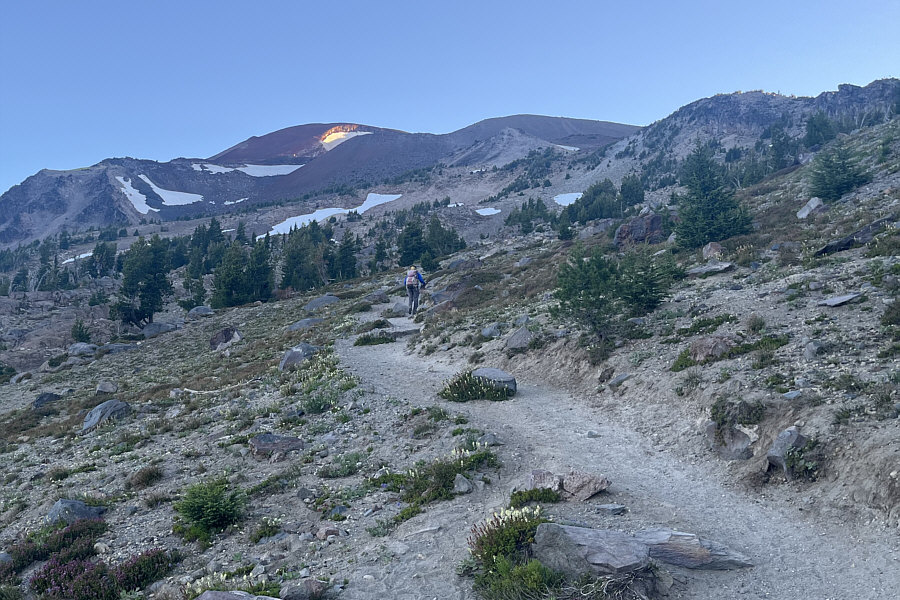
(259, 275)
(230, 280)
(835, 173)
(144, 281)
(709, 211)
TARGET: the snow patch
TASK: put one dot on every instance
(79, 257)
(230, 202)
(268, 170)
(137, 199)
(339, 137)
(171, 197)
(486, 212)
(567, 199)
(455, 204)
(372, 200)
(215, 168)
(569, 148)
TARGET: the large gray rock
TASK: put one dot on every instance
(709, 348)
(297, 355)
(304, 324)
(379, 297)
(117, 348)
(520, 339)
(647, 228)
(491, 331)
(44, 399)
(857, 238)
(496, 378)
(82, 349)
(152, 330)
(198, 312)
(689, 551)
(814, 205)
(579, 550)
(836, 301)
(106, 387)
(5, 558)
(400, 308)
(583, 485)
(225, 338)
(69, 511)
(728, 442)
(540, 478)
(814, 349)
(111, 409)
(710, 268)
(320, 302)
(274, 446)
(786, 440)
(461, 484)
(306, 589)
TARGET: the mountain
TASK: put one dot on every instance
(280, 166)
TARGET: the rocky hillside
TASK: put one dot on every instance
(739, 438)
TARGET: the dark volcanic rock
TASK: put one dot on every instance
(224, 339)
(304, 324)
(857, 238)
(274, 446)
(44, 399)
(297, 355)
(640, 230)
(70, 511)
(579, 550)
(111, 409)
(154, 329)
(317, 303)
(496, 379)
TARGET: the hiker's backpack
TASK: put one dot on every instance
(412, 278)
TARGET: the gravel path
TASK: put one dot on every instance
(545, 427)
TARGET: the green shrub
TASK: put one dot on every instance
(520, 498)
(145, 477)
(891, 314)
(266, 528)
(372, 339)
(80, 332)
(343, 466)
(507, 580)
(10, 592)
(507, 534)
(6, 372)
(464, 387)
(208, 508)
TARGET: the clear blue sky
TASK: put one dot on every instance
(82, 81)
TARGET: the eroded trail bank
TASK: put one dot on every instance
(795, 556)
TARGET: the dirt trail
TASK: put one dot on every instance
(545, 427)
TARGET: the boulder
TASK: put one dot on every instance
(297, 355)
(612, 509)
(786, 440)
(198, 312)
(639, 230)
(712, 250)
(813, 205)
(496, 378)
(82, 349)
(304, 324)
(461, 484)
(619, 380)
(400, 308)
(539, 479)
(521, 320)
(224, 339)
(710, 268)
(106, 387)
(729, 443)
(583, 485)
(5, 558)
(307, 589)
(857, 238)
(111, 409)
(491, 331)
(520, 339)
(379, 297)
(709, 348)
(689, 551)
(839, 300)
(19, 377)
(814, 349)
(274, 446)
(320, 302)
(579, 550)
(462, 264)
(44, 399)
(69, 511)
(152, 330)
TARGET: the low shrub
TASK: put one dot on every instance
(65, 543)
(209, 508)
(145, 477)
(465, 386)
(507, 534)
(506, 580)
(373, 339)
(343, 466)
(266, 528)
(520, 498)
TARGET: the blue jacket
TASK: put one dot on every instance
(418, 275)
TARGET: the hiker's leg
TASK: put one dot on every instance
(415, 300)
(410, 292)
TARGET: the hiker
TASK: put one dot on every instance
(413, 280)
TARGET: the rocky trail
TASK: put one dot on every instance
(795, 554)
